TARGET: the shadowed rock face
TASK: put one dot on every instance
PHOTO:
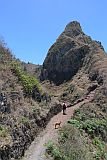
(63, 68)
(66, 56)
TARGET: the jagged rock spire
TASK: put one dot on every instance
(73, 28)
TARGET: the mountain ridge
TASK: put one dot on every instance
(30, 95)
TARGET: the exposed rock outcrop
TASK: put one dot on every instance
(71, 51)
(24, 133)
(76, 57)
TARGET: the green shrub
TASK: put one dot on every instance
(49, 146)
(3, 131)
(96, 129)
(97, 142)
(100, 145)
(75, 122)
(53, 150)
(24, 120)
(79, 115)
(63, 136)
(28, 82)
(93, 126)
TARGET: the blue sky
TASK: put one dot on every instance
(30, 27)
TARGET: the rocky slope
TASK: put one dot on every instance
(78, 65)
(67, 55)
(79, 61)
(32, 69)
(25, 107)
(74, 66)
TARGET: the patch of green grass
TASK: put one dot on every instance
(63, 136)
(92, 126)
(96, 129)
(100, 145)
(97, 142)
(3, 131)
(53, 150)
(24, 120)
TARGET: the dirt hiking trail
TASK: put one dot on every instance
(37, 149)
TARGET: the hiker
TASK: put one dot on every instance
(64, 108)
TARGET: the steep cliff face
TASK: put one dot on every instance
(68, 54)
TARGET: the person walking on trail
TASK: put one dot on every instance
(64, 108)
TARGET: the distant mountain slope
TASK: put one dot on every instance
(32, 69)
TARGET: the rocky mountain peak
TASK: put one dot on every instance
(72, 51)
(73, 28)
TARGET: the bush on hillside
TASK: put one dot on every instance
(28, 82)
(93, 126)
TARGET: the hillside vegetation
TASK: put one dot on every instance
(24, 106)
(75, 67)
